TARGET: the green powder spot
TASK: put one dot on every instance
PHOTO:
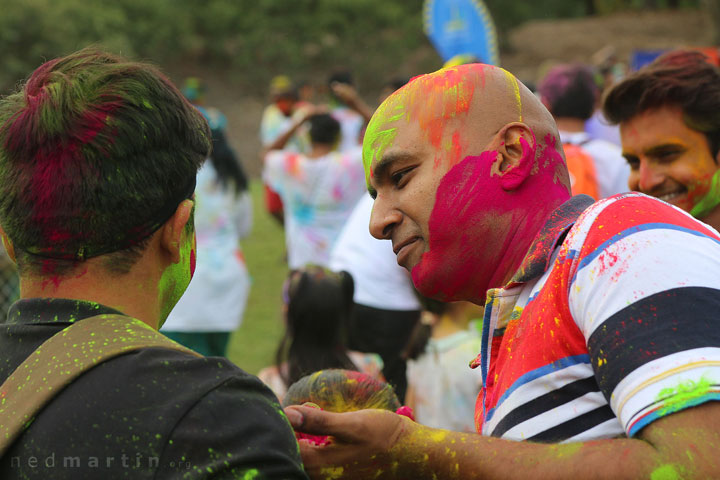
(665, 472)
(710, 200)
(251, 474)
(378, 136)
(677, 398)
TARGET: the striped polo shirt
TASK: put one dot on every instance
(609, 324)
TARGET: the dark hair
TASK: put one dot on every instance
(683, 78)
(570, 91)
(96, 152)
(339, 390)
(324, 129)
(318, 304)
(229, 169)
(422, 331)
(341, 76)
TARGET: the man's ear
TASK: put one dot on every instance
(516, 155)
(171, 236)
(7, 243)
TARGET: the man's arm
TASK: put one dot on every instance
(282, 139)
(380, 444)
(352, 99)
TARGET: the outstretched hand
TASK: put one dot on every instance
(364, 444)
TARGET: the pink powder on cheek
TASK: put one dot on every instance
(192, 262)
(482, 223)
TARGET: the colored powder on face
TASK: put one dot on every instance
(193, 263)
(175, 280)
(704, 205)
(665, 472)
(479, 232)
(428, 101)
(516, 92)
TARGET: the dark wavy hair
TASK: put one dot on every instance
(681, 78)
(318, 304)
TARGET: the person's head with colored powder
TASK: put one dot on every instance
(669, 117)
(465, 166)
(98, 158)
(338, 390)
(569, 91)
(284, 94)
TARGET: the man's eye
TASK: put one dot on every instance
(634, 162)
(667, 155)
(398, 176)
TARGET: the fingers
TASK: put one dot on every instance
(319, 422)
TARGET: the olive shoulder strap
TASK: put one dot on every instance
(64, 357)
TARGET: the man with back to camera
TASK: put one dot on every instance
(319, 189)
(98, 157)
(600, 353)
(669, 116)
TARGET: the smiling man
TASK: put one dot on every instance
(599, 330)
(669, 116)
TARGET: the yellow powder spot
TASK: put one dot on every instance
(516, 92)
(331, 473)
(438, 436)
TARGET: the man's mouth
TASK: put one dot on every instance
(404, 243)
(403, 249)
(670, 196)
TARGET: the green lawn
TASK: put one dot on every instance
(252, 346)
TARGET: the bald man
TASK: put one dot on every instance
(600, 349)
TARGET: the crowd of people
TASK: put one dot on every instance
(482, 283)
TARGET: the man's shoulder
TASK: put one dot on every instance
(615, 217)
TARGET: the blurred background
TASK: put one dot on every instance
(237, 46)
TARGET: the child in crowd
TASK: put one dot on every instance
(317, 304)
(442, 388)
(340, 391)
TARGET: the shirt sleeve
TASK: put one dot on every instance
(236, 431)
(646, 293)
(274, 170)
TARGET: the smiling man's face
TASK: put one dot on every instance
(668, 160)
(444, 192)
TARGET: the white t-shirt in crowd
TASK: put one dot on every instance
(318, 195)
(611, 169)
(379, 281)
(445, 386)
(351, 124)
(216, 297)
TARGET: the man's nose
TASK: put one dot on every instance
(383, 219)
(650, 176)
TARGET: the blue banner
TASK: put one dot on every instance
(461, 27)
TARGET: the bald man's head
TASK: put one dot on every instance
(457, 111)
(466, 165)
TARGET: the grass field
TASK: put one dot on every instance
(252, 346)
